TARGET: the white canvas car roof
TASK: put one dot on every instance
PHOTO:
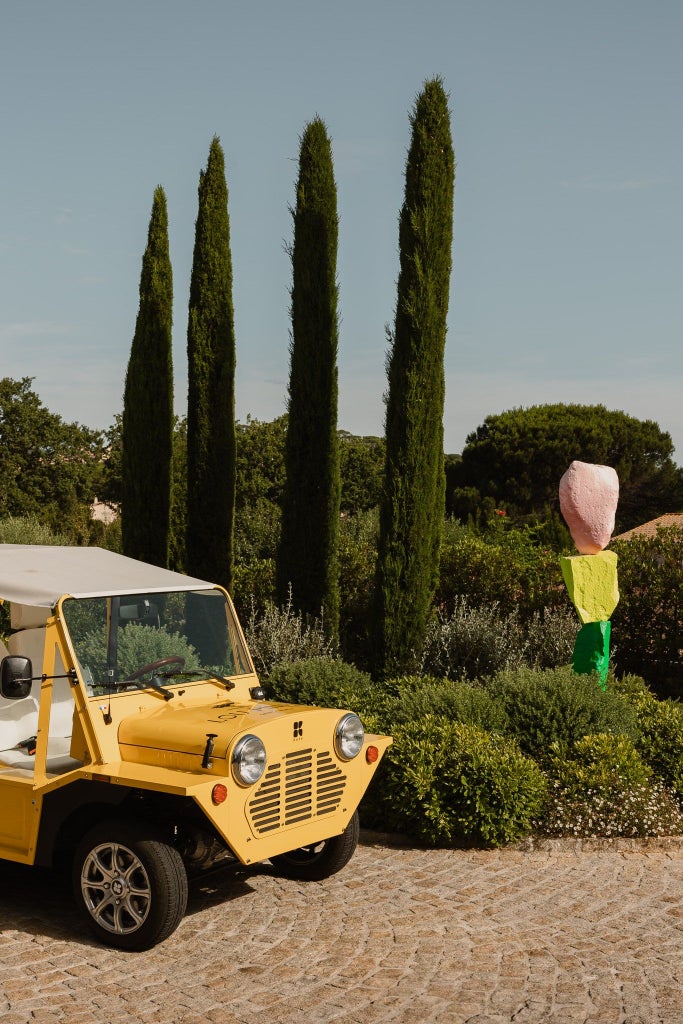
(39, 574)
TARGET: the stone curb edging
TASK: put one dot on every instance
(536, 844)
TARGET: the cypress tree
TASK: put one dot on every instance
(412, 508)
(308, 554)
(147, 424)
(211, 384)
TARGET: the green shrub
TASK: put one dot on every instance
(478, 641)
(550, 637)
(510, 571)
(412, 698)
(660, 739)
(472, 642)
(281, 635)
(556, 706)
(137, 645)
(629, 686)
(29, 530)
(647, 623)
(602, 787)
(358, 538)
(322, 681)
(600, 762)
(444, 780)
(253, 587)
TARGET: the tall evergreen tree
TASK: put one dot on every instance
(211, 384)
(147, 424)
(413, 503)
(308, 555)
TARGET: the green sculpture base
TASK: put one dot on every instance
(591, 650)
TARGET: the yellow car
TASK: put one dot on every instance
(136, 740)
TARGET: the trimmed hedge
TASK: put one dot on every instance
(323, 681)
(446, 780)
(412, 698)
(558, 707)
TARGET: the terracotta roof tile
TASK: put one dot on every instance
(650, 529)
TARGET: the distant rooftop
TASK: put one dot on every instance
(650, 529)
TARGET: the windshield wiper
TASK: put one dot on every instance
(148, 684)
(227, 683)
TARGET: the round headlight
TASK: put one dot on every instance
(348, 737)
(248, 760)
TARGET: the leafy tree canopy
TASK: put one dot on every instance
(48, 468)
(362, 472)
(517, 458)
(260, 461)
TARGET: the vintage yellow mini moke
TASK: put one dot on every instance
(137, 741)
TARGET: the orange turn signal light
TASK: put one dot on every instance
(371, 755)
(219, 793)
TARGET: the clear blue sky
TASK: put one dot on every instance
(566, 122)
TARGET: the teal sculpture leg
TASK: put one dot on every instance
(591, 650)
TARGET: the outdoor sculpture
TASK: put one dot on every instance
(588, 500)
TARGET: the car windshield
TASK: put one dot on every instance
(167, 638)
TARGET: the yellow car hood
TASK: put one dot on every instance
(184, 729)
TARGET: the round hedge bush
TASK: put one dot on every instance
(445, 780)
(557, 706)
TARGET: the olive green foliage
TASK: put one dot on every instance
(557, 707)
(600, 785)
(413, 503)
(147, 425)
(260, 462)
(29, 529)
(138, 646)
(598, 761)
(307, 561)
(659, 738)
(647, 624)
(211, 384)
(517, 458)
(49, 469)
(476, 641)
(277, 634)
(444, 781)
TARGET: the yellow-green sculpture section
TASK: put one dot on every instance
(592, 584)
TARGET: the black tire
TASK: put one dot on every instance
(320, 860)
(130, 885)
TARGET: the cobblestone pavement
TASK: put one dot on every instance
(401, 935)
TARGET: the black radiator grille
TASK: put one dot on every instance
(301, 786)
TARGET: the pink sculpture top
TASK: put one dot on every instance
(588, 500)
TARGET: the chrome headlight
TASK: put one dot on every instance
(248, 760)
(348, 737)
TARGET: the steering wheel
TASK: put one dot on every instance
(174, 660)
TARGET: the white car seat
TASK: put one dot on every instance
(30, 643)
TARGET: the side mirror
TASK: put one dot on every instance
(15, 677)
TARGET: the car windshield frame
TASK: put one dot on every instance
(155, 640)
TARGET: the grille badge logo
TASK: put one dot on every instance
(298, 730)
